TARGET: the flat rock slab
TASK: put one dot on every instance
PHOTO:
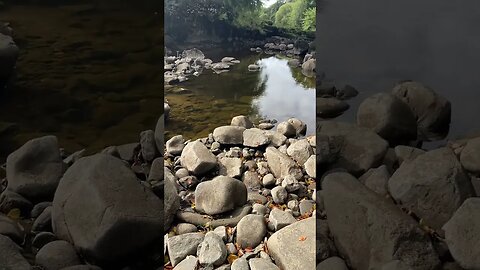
(293, 247)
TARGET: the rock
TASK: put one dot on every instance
(35, 169)
(254, 137)
(148, 146)
(11, 229)
(432, 111)
(93, 207)
(259, 209)
(253, 67)
(159, 133)
(330, 107)
(212, 250)
(433, 186)
(358, 149)
(300, 127)
(57, 255)
(290, 183)
(462, 234)
(189, 263)
(172, 203)
(276, 139)
(308, 68)
(228, 59)
(300, 151)
(281, 165)
(222, 232)
(44, 222)
(156, 170)
(8, 57)
(396, 265)
(407, 153)
(197, 159)
(74, 157)
(310, 166)
(306, 207)
(220, 66)
(389, 117)
(293, 62)
(11, 256)
(268, 180)
(180, 246)
(252, 180)
(332, 263)
(280, 219)
(376, 179)
(470, 156)
(241, 121)
(240, 264)
(82, 267)
(175, 145)
(184, 228)
(220, 195)
(300, 240)
(128, 151)
(251, 230)
(229, 134)
(279, 194)
(262, 264)
(286, 129)
(231, 167)
(346, 92)
(43, 238)
(10, 200)
(369, 230)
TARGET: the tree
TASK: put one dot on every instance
(291, 15)
(309, 20)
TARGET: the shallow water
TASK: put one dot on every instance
(277, 91)
(373, 44)
(88, 75)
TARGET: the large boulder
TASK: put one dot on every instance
(358, 149)
(11, 255)
(370, 231)
(433, 186)
(35, 169)
(281, 165)
(389, 117)
(197, 159)
(432, 111)
(293, 247)
(103, 210)
(462, 233)
(8, 58)
(229, 134)
(220, 195)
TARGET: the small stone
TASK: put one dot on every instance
(222, 232)
(279, 194)
(286, 129)
(57, 255)
(240, 264)
(180, 246)
(189, 263)
(254, 137)
(229, 134)
(252, 180)
(212, 250)
(230, 166)
(251, 230)
(262, 264)
(290, 183)
(268, 180)
(241, 121)
(184, 228)
(280, 218)
(259, 209)
(306, 207)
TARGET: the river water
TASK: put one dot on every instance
(277, 91)
(89, 75)
(372, 44)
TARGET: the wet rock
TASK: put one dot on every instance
(175, 145)
(148, 146)
(11, 229)
(462, 234)
(11, 256)
(35, 169)
(280, 219)
(369, 230)
(181, 246)
(433, 186)
(389, 117)
(241, 121)
(357, 149)
(300, 151)
(332, 263)
(470, 156)
(231, 167)
(197, 159)
(220, 195)
(262, 264)
(330, 107)
(376, 179)
(300, 240)
(91, 223)
(280, 164)
(212, 250)
(10, 200)
(432, 111)
(57, 255)
(229, 134)
(254, 137)
(251, 230)
(189, 263)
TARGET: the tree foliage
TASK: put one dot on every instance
(297, 15)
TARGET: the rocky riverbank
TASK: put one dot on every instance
(386, 203)
(74, 212)
(242, 198)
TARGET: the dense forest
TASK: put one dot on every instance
(291, 15)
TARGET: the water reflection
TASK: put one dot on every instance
(373, 44)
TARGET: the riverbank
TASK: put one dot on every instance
(244, 195)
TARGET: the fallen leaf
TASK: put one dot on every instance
(302, 238)
(231, 258)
